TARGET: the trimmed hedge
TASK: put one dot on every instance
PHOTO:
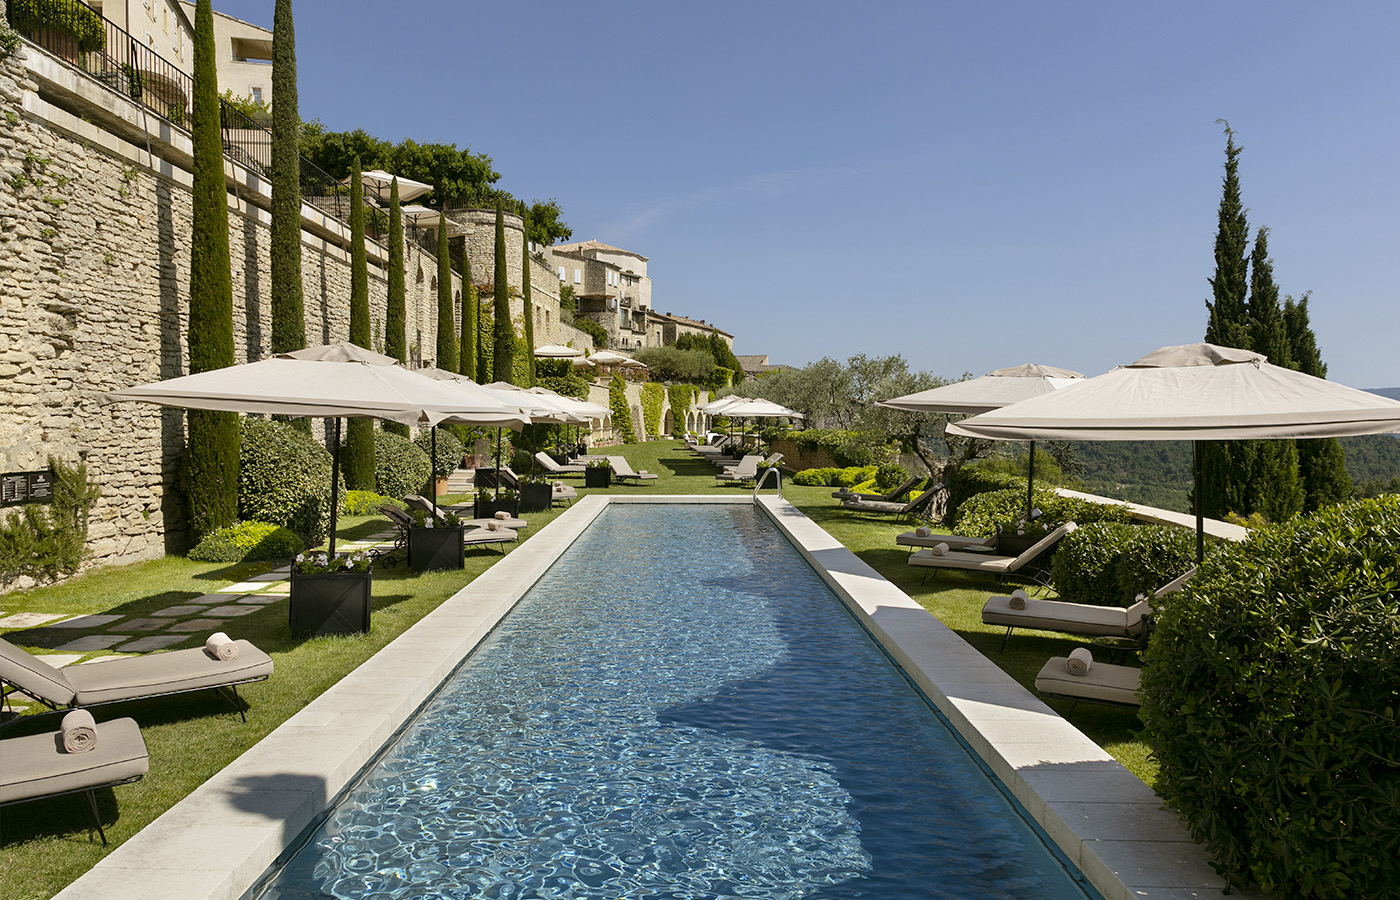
(366, 503)
(399, 466)
(1270, 697)
(449, 450)
(284, 478)
(1110, 563)
(846, 447)
(969, 481)
(248, 542)
(980, 514)
(890, 476)
(832, 477)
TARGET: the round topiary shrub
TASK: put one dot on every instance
(365, 503)
(449, 450)
(968, 481)
(1270, 696)
(284, 479)
(399, 467)
(890, 476)
(248, 542)
(1154, 555)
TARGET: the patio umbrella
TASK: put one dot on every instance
(318, 382)
(420, 216)
(1197, 392)
(540, 408)
(610, 358)
(378, 184)
(994, 390)
(555, 351)
(481, 399)
(584, 408)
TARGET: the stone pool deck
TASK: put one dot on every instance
(220, 841)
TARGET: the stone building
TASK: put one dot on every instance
(164, 26)
(667, 327)
(611, 287)
(243, 56)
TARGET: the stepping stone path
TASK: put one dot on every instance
(167, 627)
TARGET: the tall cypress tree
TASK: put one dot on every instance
(357, 460)
(1274, 488)
(211, 458)
(503, 332)
(466, 363)
(529, 305)
(1322, 465)
(1228, 466)
(446, 324)
(288, 313)
(396, 303)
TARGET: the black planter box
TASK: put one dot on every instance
(432, 549)
(486, 508)
(597, 476)
(330, 603)
(774, 481)
(1013, 544)
(536, 497)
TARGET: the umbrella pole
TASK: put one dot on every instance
(498, 463)
(1200, 503)
(433, 474)
(1030, 484)
(335, 484)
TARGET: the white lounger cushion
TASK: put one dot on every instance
(1104, 683)
(954, 541)
(1057, 615)
(36, 766)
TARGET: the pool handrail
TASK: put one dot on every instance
(763, 476)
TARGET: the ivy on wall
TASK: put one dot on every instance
(44, 542)
(653, 399)
(621, 413)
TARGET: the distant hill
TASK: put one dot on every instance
(1392, 393)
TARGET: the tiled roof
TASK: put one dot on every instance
(597, 245)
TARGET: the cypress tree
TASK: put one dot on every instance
(1322, 465)
(1274, 488)
(211, 458)
(357, 459)
(466, 363)
(288, 313)
(1228, 466)
(529, 345)
(396, 303)
(503, 333)
(446, 324)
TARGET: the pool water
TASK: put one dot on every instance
(680, 708)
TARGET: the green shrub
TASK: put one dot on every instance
(44, 541)
(284, 479)
(1085, 567)
(980, 514)
(366, 503)
(621, 412)
(653, 399)
(1154, 556)
(1270, 697)
(71, 15)
(449, 450)
(248, 542)
(399, 467)
(890, 476)
(969, 481)
(834, 477)
(846, 447)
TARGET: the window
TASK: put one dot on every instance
(578, 276)
(257, 95)
(561, 274)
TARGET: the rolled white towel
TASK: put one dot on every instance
(502, 515)
(221, 647)
(1079, 661)
(923, 531)
(939, 549)
(78, 732)
(642, 472)
(493, 526)
(1018, 599)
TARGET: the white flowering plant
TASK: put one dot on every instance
(320, 563)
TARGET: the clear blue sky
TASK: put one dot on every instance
(971, 185)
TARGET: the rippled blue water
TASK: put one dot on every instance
(679, 709)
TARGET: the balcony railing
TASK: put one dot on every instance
(96, 46)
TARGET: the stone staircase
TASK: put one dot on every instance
(460, 481)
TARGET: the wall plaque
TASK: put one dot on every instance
(20, 488)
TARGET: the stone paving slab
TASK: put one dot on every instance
(90, 621)
(243, 587)
(282, 587)
(29, 619)
(260, 599)
(230, 610)
(135, 625)
(193, 625)
(177, 611)
(89, 642)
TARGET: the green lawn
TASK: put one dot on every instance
(45, 845)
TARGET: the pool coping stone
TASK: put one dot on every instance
(220, 840)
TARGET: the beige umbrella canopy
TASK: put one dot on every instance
(378, 184)
(1197, 392)
(421, 216)
(555, 351)
(574, 404)
(611, 358)
(994, 390)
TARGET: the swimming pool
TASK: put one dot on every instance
(679, 708)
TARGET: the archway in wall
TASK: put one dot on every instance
(668, 424)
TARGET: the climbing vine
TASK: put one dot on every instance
(653, 400)
(681, 396)
(621, 414)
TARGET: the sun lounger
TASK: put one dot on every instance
(985, 562)
(130, 677)
(915, 540)
(887, 497)
(622, 470)
(37, 767)
(895, 509)
(1088, 619)
(1103, 683)
(553, 468)
(745, 470)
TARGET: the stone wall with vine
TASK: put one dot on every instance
(653, 400)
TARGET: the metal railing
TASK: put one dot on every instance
(762, 477)
(108, 53)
